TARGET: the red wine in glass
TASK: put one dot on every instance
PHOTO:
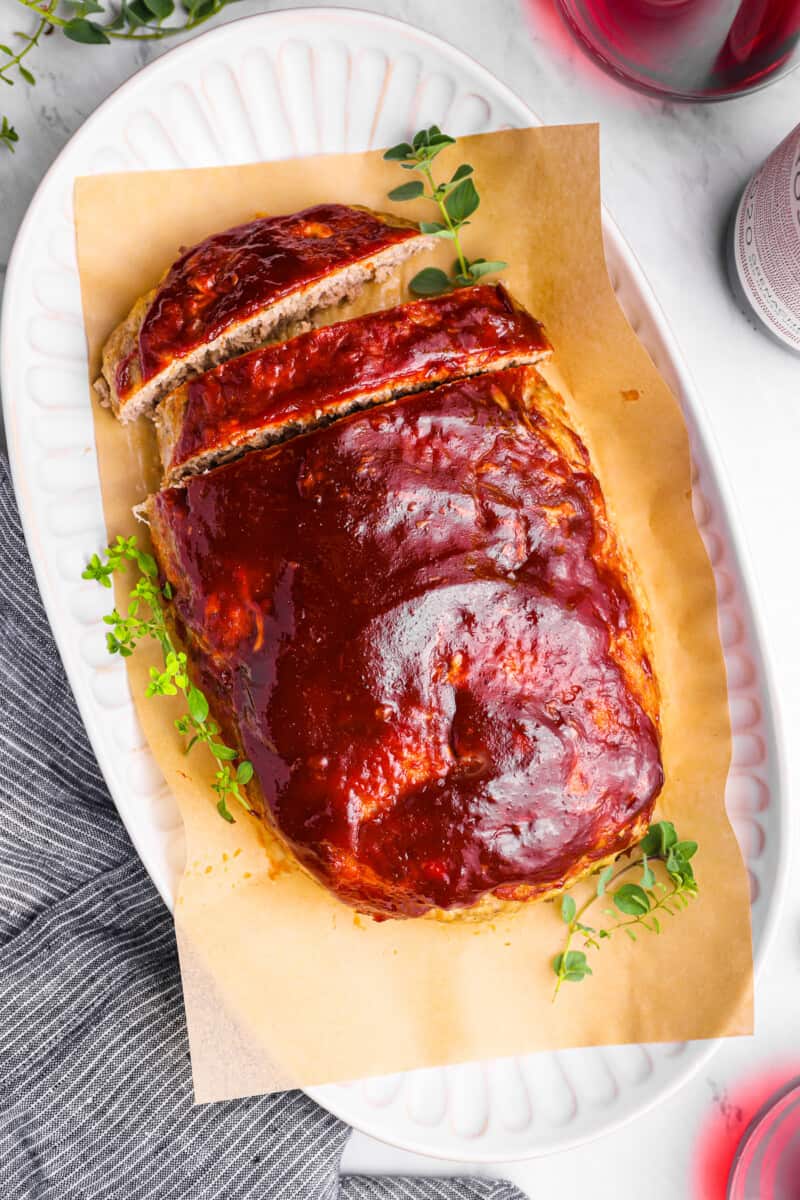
(767, 1162)
(689, 49)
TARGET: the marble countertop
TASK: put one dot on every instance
(670, 176)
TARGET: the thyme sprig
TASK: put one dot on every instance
(130, 20)
(8, 135)
(12, 60)
(457, 199)
(638, 902)
(145, 618)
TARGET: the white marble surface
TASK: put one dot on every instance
(670, 175)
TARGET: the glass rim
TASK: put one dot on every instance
(756, 1123)
(652, 89)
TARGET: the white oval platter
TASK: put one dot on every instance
(266, 87)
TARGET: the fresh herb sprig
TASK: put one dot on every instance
(639, 903)
(145, 619)
(129, 20)
(11, 60)
(8, 135)
(457, 200)
(97, 24)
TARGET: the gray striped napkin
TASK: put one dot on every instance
(95, 1083)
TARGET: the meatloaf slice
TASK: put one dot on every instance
(239, 288)
(269, 394)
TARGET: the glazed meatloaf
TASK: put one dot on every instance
(418, 624)
(239, 288)
(272, 393)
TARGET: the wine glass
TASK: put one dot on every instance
(767, 1163)
(689, 49)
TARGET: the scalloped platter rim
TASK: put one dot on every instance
(301, 82)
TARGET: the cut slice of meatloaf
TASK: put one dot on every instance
(422, 628)
(239, 288)
(272, 393)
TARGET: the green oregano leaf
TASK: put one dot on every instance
(603, 879)
(86, 32)
(462, 201)
(631, 899)
(198, 705)
(400, 151)
(572, 966)
(244, 772)
(407, 191)
(480, 267)
(430, 282)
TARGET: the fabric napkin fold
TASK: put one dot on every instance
(95, 1081)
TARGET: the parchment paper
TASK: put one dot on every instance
(283, 984)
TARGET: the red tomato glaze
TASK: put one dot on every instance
(404, 613)
(229, 277)
(402, 348)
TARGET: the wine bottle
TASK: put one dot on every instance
(764, 245)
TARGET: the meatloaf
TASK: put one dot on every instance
(419, 625)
